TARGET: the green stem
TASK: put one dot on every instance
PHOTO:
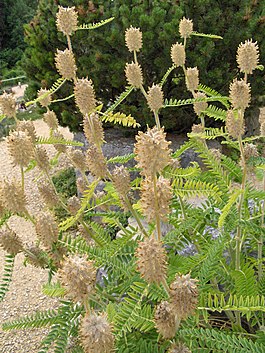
(135, 57)
(158, 222)
(243, 186)
(260, 243)
(182, 207)
(90, 233)
(135, 215)
(22, 179)
(143, 91)
(157, 120)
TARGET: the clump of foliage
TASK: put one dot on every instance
(101, 55)
(196, 287)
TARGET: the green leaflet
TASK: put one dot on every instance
(227, 208)
(7, 275)
(95, 25)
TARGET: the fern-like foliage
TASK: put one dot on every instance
(120, 118)
(121, 159)
(55, 87)
(245, 304)
(163, 81)
(192, 188)
(120, 99)
(211, 36)
(53, 290)
(228, 207)
(245, 281)
(210, 133)
(39, 319)
(95, 25)
(7, 275)
(214, 112)
(178, 103)
(209, 340)
(55, 140)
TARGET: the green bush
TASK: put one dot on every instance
(101, 55)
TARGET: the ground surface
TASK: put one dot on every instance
(24, 296)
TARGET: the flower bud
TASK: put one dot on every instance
(66, 20)
(44, 97)
(65, 64)
(192, 79)
(183, 296)
(199, 106)
(78, 276)
(20, 147)
(46, 228)
(151, 260)
(9, 241)
(178, 54)
(96, 334)
(134, 74)
(185, 27)
(85, 96)
(234, 124)
(96, 162)
(133, 39)
(51, 120)
(165, 320)
(8, 105)
(240, 94)
(247, 56)
(155, 98)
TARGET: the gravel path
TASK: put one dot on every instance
(24, 296)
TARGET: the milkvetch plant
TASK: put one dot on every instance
(199, 286)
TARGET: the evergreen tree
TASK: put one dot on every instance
(13, 15)
(101, 54)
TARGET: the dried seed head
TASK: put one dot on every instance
(185, 27)
(183, 296)
(165, 320)
(216, 153)
(152, 151)
(2, 208)
(60, 147)
(247, 56)
(121, 180)
(262, 129)
(9, 241)
(262, 115)
(96, 334)
(47, 229)
(156, 204)
(36, 257)
(178, 348)
(250, 150)
(133, 73)
(65, 64)
(78, 276)
(20, 147)
(96, 162)
(234, 124)
(240, 94)
(197, 129)
(78, 159)
(66, 20)
(93, 129)
(27, 126)
(73, 205)
(155, 98)
(8, 105)
(85, 96)
(178, 54)
(151, 260)
(48, 194)
(45, 97)
(42, 158)
(192, 79)
(199, 106)
(51, 120)
(133, 39)
(13, 197)
(81, 185)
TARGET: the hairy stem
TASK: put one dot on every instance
(158, 222)
(136, 217)
(157, 120)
